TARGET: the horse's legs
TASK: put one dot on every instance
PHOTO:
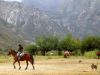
(19, 65)
(31, 61)
(14, 64)
(33, 66)
(27, 65)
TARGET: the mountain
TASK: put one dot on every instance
(29, 21)
(79, 17)
(33, 18)
(7, 37)
(83, 16)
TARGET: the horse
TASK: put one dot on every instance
(26, 57)
(98, 54)
(67, 54)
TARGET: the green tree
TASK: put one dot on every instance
(32, 49)
(77, 47)
(90, 43)
(41, 42)
(47, 43)
(71, 44)
(67, 43)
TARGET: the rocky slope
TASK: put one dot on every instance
(79, 17)
(7, 37)
(28, 21)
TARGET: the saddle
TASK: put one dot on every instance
(20, 55)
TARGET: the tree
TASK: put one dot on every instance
(67, 43)
(90, 43)
(71, 44)
(32, 49)
(47, 43)
(77, 47)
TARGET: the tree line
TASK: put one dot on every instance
(45, 44)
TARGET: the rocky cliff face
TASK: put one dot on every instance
(79, 17)
(7, 36)
(27, 20)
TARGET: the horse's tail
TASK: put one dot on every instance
(32, 59)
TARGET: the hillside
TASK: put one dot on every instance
(78, 17)
(7, 37)
(28, 20)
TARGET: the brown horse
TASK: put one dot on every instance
(26, 57)
(98, 54)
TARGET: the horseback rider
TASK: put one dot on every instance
(20, 51)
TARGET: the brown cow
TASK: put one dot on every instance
(67, 54)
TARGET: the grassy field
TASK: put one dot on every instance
(50, 65)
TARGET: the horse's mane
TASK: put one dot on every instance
(13, 50)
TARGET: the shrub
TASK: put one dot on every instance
(90, 54)
(77, 52)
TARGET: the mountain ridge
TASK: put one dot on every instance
(28, 20)
(80, 18)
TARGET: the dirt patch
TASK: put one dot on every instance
(51, 67)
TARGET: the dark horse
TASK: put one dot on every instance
(26, 57)
(98, 54)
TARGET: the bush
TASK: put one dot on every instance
(90, 54)
(77, 52)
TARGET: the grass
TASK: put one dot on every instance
(90, 54)
(37, 58)
(48, 57)
(42, 58)
(5, 58)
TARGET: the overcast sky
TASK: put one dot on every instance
(14, 0)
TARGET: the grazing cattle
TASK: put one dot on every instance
(67, 54)
(98, 54)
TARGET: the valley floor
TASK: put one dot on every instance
(52, 67)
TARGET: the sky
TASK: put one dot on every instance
(42, 4)
(14, 0)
